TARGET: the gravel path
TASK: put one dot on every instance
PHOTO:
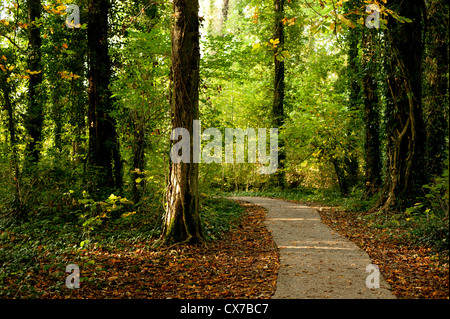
(316, 262)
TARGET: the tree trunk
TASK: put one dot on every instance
(35, 117)
(372, 154)
(350, 160)
(6, 90)
(182, 219)
(138, 157)
(226, 6)
(436, 101)
(405, 131)
(78, 90)
(103, 143)
(340, 173)
(279, 85)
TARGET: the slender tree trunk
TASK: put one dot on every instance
(225, 8)
(372, 154)
(35, 117)
(8, 104)
(103, 143)
(436, 73)
(182, 219)
(279, 85)
(405, 134)
(350, 161)
(6, 90)
(138, 157)
(57, 110)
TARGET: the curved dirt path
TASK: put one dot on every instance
(316, 262)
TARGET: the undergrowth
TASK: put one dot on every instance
(49, 239)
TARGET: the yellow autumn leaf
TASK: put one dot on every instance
(32, 72)
(275, 42)
(344, 20)
(285, 54)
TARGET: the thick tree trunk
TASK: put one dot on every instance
(182, 219)
(103, 144)
(35, 115)
(372, 154)
(405, 134)
(79, 91)
(279, 85)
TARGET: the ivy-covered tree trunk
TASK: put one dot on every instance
(279, 85)
(77, 110)
(103, 144)
(406, 167)
(436, 103)
(372, 149)
(7, 104)
(34, 117)
(182, 219)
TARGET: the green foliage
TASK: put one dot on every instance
(46, 213)
(431, 213)
(217, 215)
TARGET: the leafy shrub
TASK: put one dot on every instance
(431, 213)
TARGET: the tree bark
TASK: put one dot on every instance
(226, 6)
(35, 117)
(405, 132)
(279, 85)
(103, 143)
(372, 154)
(8, 104)
(182, 219)
(437, 97)
(138, 157)
(350, 161)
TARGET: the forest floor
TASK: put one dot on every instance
(243, 260)
(242, 263)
